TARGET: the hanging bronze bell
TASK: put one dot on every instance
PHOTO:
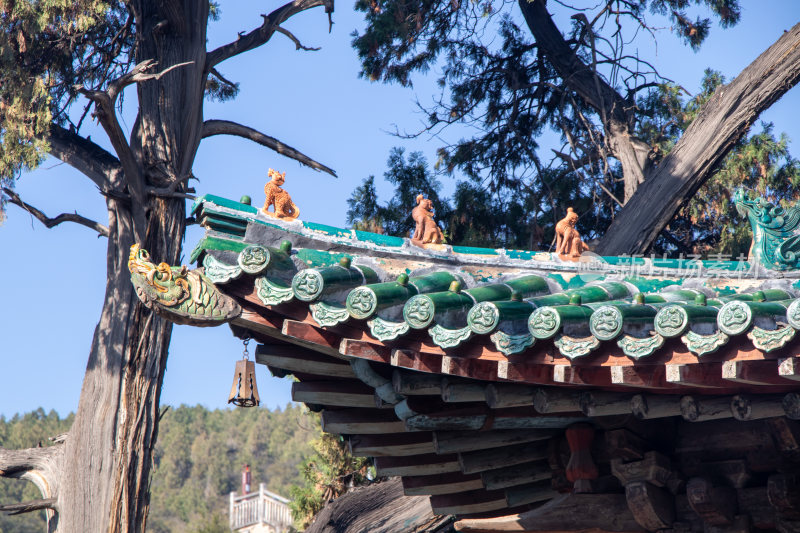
(244, 391)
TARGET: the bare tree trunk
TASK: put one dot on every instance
(106, 468)
(723, 120)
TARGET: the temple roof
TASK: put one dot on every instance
(500, 303)
(481, 376)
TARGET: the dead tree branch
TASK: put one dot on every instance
(28, 507)
(297, 44)
(104, 112)
(48, 222)
(226, 127)
(263, 33)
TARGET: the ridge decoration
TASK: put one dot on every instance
(572, 348)
(638, 348)
(270, 293)
(448, 338)
(384, 330)
(511, 344)
(177, 294)
(483, 318)
(768, 340)
(219, 272)
(328, 315)
(703, 344)
(776, 231)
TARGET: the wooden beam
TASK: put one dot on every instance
(789, 368)
(641, 376)
(395, 445)
(479, 417)
(314, 337)
(473, 502)
(479, 461)
(500, 395)
(553, 400)
(755, 406)
(701, 409)
(598, 513)
(525, 372)
(753, 373)
(414, 360)
(297, 359)
(484, 369)
(648, 406)
(410, 383)
(590, 376)
(451, 483)
(416, 465)
(706, 375)
(365, 350)
(469, 441)
(520, 474)
(457, 392)
(365, 421)
(600, 403)
(336, 393)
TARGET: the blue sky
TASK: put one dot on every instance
(52, 283)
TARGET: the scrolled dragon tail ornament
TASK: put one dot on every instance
(776, 231)
(179, 295)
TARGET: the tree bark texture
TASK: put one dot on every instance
(616, 113)
(723, 120)
(379, 508)
(105, 474)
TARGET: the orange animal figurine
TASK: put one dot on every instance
(278, 198)
(568, 240)
(426, 231)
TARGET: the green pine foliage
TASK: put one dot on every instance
(328, 473)
(198, 462)
(708, 225)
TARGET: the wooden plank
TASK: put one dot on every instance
(589, 376)
(476, 501)
(451, 483)
(753, 373)
(537, 374)
(468, 441)
(366, 421)
(598, 513)
(479, 461)
(312, 336)
(410, 383)
(396, 445)
(336, 393)
(298, 359)
(414, 360)
(789, 368)
(520, 474)
(641, 376)
(483, 369)
(705, 375)
(500, 395)
(531, 493)
(416, 465)
(365, 350)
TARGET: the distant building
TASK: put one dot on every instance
(258, 512)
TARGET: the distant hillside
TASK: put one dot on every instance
(198, 460)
